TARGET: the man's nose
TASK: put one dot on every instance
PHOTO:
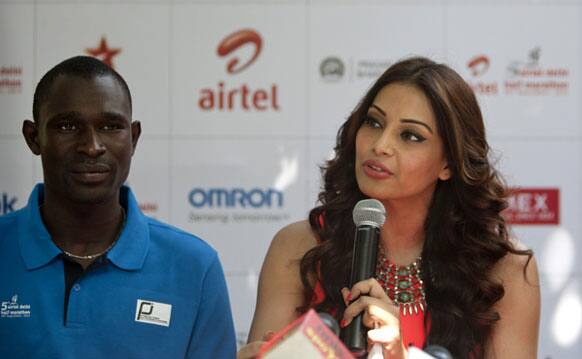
(90, 143)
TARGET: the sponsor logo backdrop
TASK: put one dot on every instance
(240, 103)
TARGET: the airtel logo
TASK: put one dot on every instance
(226, 96)
(236, 40)
(478, 65)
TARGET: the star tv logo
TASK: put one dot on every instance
(103, 52)
(230, 98)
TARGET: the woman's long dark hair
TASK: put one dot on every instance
(465, 234)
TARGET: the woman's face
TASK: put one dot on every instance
(399, 152)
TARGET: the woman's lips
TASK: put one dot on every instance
(377, 170)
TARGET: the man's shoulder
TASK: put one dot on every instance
(175, 239)
(8, 225)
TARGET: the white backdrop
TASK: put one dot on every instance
(232, 155)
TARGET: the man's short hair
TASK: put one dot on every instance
(82, 66)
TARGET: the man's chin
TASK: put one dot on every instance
(92, 194)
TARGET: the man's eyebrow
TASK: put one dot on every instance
(72, 115)
(62, 116)
(410, 120)
(113, 116)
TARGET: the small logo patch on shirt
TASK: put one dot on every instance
(150, 312)
(12, 309)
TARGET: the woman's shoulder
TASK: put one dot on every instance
(517, 270)
(294, 239)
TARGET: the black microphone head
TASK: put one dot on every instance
(369, 212)
(438, 352)
(330, 322)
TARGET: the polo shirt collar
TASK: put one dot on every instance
(36, 246)
(38, 249)
(131, 249)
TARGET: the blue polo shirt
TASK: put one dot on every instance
(159, 293)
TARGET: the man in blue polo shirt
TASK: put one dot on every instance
(83, 273)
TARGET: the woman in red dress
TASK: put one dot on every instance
(448, 273)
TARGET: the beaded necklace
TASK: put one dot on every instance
(403, 284)
(95, 255)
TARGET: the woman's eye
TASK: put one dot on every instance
(369, 121)
(411, 136)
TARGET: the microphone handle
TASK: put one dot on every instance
(363, 267)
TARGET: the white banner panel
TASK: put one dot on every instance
(149, 177)
(16, 66)
(561, 317)
(16, 179)
(524, 69)
(237, 194)
(238, 70)
(350, 46)
(557, 167)
(134, 39)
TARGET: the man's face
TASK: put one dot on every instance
(85, 138)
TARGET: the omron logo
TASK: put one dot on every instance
(236, 40)
(478, 65)
(235, 197)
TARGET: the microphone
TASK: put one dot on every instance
(438, 352)
(369, 215)
(329, 322)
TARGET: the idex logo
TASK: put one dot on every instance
(533, 206)
(225, 97)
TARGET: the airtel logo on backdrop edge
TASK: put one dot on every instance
(478, 65)
(225, 97)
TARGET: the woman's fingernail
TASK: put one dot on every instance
(349, 297)
(343, 323)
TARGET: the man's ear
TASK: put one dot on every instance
(135, 133)
(30, 133)
(445, 173)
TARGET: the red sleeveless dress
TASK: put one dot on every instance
(412, 330)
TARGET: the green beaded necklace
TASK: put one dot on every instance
(403, 284)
